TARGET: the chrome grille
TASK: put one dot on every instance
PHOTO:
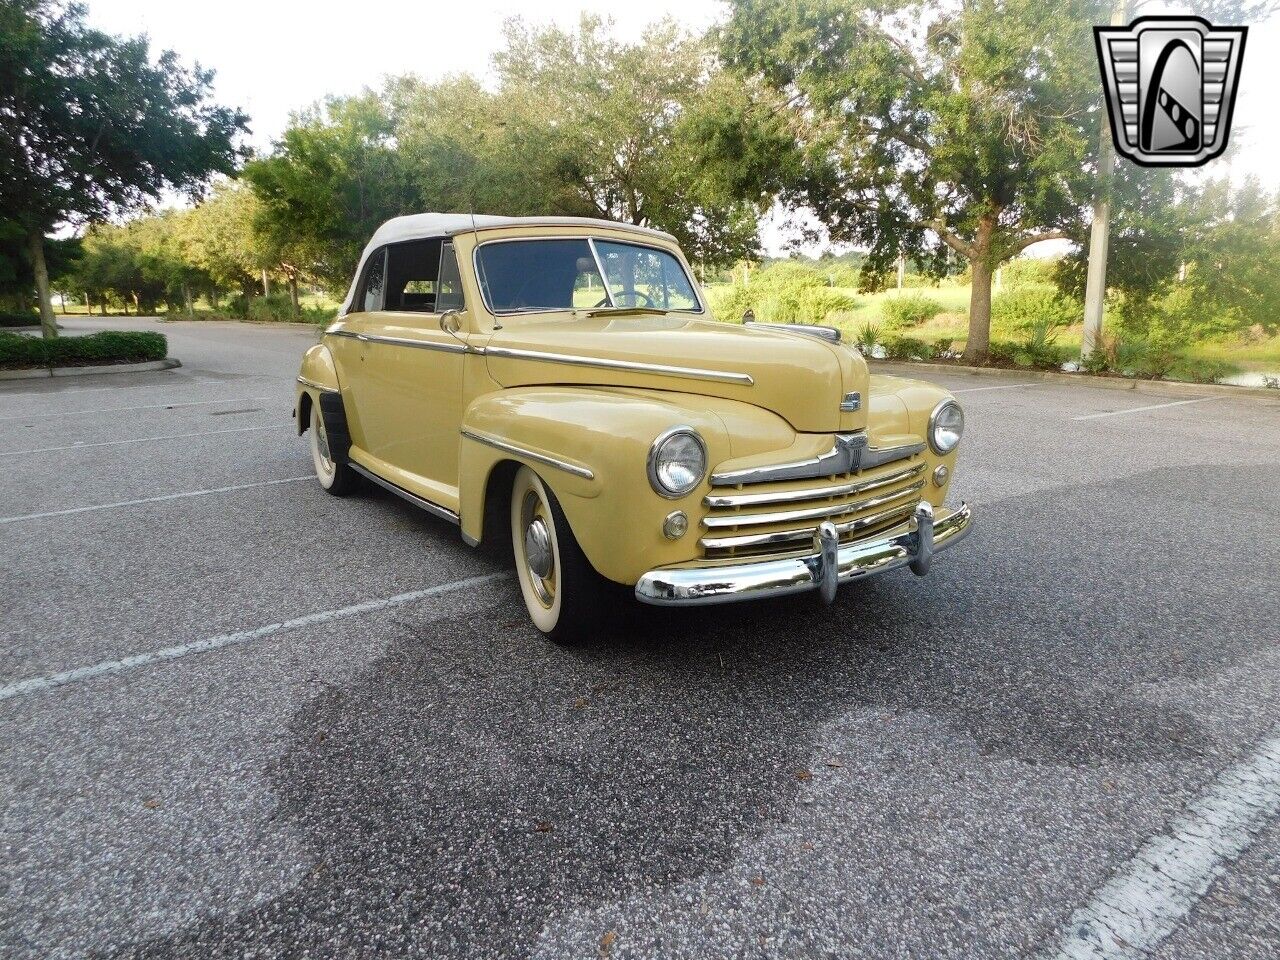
(780, 518)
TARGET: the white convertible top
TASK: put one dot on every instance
(424, 226)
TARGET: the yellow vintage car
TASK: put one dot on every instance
(560, 382)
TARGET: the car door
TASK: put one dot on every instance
(410, 389)
(346, 342)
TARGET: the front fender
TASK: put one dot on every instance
(615, 514)
(900, 412)
(318, 374)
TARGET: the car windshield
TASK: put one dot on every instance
(553, 274)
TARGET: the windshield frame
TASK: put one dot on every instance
(591, 243)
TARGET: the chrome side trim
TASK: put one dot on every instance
(317, 386)
(415, 344)
(635, 366)
(842, 458)
(730, 500)
(528, 454)
(693, 586)
(804, 533)
(830, 334)
(433, 508)
(809, 513)
(350, 334)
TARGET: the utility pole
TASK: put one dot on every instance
(1095, 290)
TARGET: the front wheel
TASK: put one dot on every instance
(562, 591)
(337, 478)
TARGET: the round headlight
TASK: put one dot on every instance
(946, 426)
(677, 462)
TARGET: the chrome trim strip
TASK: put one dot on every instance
(830, 334)
(804, 533)
(808, 513)
(878, 456)
(730, 500)
(344, 333)
(689, 373)
(693, 586)
(416, 344)
(317, 386)
(433, 508)
(528, 454)
(604, 277)
(842, 458)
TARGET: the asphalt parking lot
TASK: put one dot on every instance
(239, 717)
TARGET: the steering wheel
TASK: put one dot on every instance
(635, 296)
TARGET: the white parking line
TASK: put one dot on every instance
(167, 496)
(1153, 406)
(1003, 386)
(146, 406)
(1144, 902)
(113, 443)
(54, 680)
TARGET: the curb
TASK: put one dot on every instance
(168, 363)
(1159, 387)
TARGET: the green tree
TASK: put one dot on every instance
(613, 129)
(90, 127)
(333, 177)
(932, 126)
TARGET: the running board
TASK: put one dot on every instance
(432, 508)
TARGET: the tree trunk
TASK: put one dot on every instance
(293, 295)
(975, 350)
(35, 247)
(186, 300)
(88, 305)
(137, 307)
(62, 302)
(266, 283)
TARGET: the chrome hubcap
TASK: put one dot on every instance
(537, 548)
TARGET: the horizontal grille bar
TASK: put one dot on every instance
(731, 500)
(810, 513)
(804, 534)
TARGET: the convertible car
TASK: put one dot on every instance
(560, 382)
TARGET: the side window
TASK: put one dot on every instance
(370, 297)
(413, 276)
(449, 286)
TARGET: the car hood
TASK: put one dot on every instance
(799, 377)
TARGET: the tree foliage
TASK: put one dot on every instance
(91, 127)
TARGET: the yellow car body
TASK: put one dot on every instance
(443, 406)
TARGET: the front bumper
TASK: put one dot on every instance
(829, 566)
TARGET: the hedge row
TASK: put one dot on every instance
(18, 320)
(108, 346)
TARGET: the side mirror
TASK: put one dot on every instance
(451, 322)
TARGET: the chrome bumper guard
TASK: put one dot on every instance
(829, 566)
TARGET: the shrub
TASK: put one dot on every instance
(906, 348)
(19, 320)
(868, 336)
(107, 346)
(909, 310)
(816, 303)
(942, 349)
(1032, 307)
(1204, 370)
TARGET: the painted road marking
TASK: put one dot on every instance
(1144, 902)
(145, 406)
(1154, 406)
(168, 496)
(114, 443)
(1003, 386)
(166, 654)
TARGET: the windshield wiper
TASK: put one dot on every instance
(614, 311)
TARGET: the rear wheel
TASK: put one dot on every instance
(337, 478)
(563, 593)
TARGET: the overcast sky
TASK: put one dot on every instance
(276, 56)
